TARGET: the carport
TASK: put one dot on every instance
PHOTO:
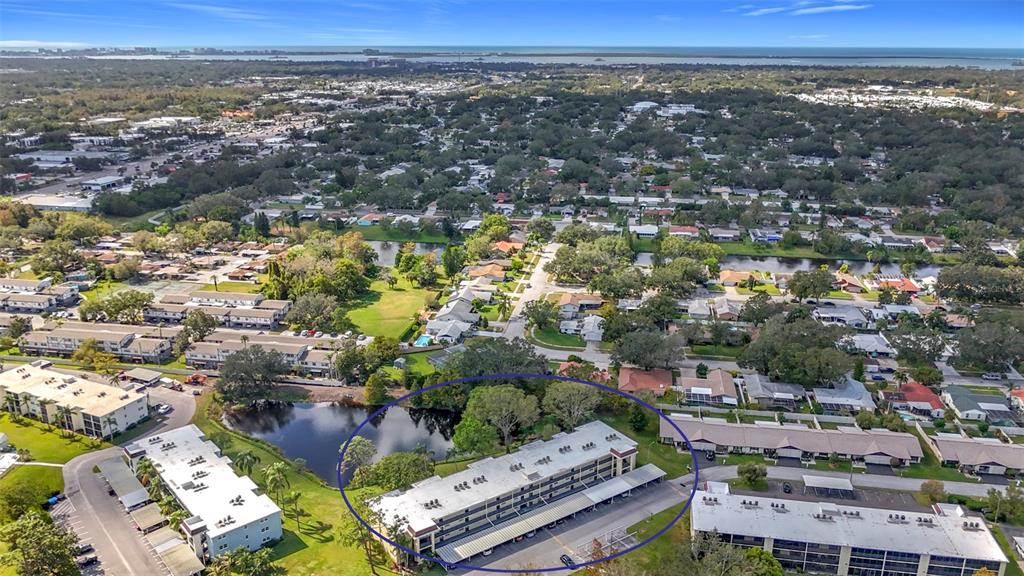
(829, 486)
(180, 560)
(123, 482)
(148, 517)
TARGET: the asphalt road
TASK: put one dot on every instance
(99, 519)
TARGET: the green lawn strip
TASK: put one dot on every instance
(416, 364)
(316, 549)
(930, 468)
(651, 451)
(389, 312)
(653, 556)
(103, 288)
(840, 295)
(396, 235)
(766, 288)
(230, 286)
(716, 350)
(44, 445)
(1012, 567)
(552, 337)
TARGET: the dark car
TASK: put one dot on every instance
(567, 560)
(710, 456)
(84, 549)
(787, 487)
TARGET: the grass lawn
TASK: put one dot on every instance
(652, 556)
(389, 312)
(930, 469)
(415, 362)
(716, 350)
(103, 288)
(839, 295)
(767, 288)
(1012, 568)
(663, 456)
(396, 235)
(133, 222)
(228, 286)
(552, 337)
(316, 549)
(45, 446)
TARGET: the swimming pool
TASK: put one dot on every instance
(423, 340)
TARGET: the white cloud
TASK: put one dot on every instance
(40, 44)
(827, 9)
(225, 12)
(765, 11)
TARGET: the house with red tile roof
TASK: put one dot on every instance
(915, 398)
(684, 231)
(903, 285)
(635, 380)
(507, 246)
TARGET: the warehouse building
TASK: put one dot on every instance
(498, 500)
(228, 511)
(825, 538)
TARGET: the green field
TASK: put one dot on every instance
(666, 546)
(715, 350)
(316, 549)
(103, 288)
(651, 451)
(43, 445)
(552, 337)
(415, 362)
(389, 312)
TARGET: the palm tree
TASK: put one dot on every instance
(246, 461)
(167, 504)
(64, 417)
(110, 422)
(276, 479)
(176, 517)
(900, 377)
(44, 404)
(13, 402)
(292, 499)
(504, 305)
(144, 469)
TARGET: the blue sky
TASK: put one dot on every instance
(844, 23)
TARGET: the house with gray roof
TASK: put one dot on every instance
(970, 405)
(767, 394)
(849, 396)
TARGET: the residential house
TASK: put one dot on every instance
(970, 405)
(734, 277)
(492, 272)
(849, 316)
(915, 398)
(874, 345)
(724, 234)
(636, 380)
(726, 310)
(772, 395)
(447, 331)
(849, 283)
(718, 389)
(571, 305)
(978, 455)
(849, 396)
(590, 327)
(688, 232)
(644, 230)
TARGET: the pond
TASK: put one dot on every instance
(387, 250)
(315, 431)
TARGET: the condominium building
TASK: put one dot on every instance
(227, 511)
(231, 309)
(125, 341)
(305, 355)
(497, 500)
(826, 538)
(793, 441)
(65, 400)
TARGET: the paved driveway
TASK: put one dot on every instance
(99, 519)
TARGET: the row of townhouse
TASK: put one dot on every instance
(35, 296)
(792, 441)
(313, 356)
(146, 344)
(231, 309)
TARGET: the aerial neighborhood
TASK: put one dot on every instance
(567, 303)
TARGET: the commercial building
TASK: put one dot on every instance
(227, 511)
(825, 538)
(71, 402)
(795, 441)
(497, 500)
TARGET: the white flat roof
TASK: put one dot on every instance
(202, 479)
(532, 462)
(67, 390)
(942, 534)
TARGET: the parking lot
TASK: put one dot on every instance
(890, 500)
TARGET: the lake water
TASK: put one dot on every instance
(386, 251)
(315, 431)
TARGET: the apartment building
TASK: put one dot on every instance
(793, 441)
(306, 355)
(497, 500)
(70, 402)
(230, 309)
(130, 343)
(977, 455)
(227, 511)
(35, 296)
(826, 538)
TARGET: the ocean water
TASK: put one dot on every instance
(990, 59)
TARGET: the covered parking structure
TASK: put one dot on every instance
(148, 517)
(829, 486)
(129, 491)
(587, 499)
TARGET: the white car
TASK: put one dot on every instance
(164, 409)
(991, 376)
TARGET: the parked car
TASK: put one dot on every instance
(164, 409)
(787, 487)
(877, 377)
(991, 376)
(84, 548)
(567, 560)
(87, 560)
